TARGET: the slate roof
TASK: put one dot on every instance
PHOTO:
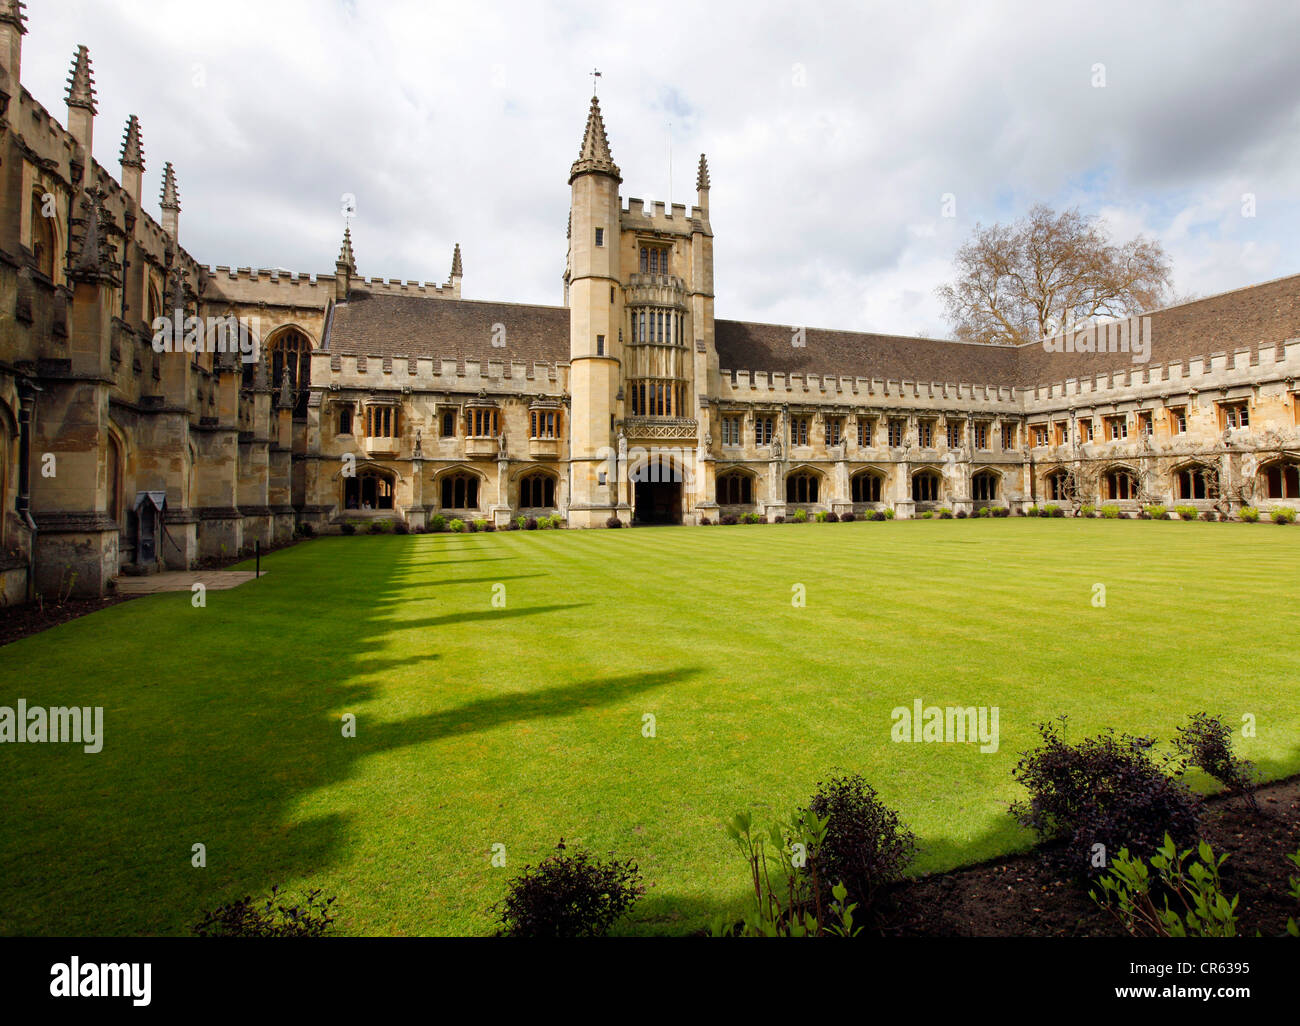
(374, 324)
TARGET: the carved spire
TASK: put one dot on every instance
(132, 148)
(702, 176)
(594, 156)
(81, 81)
(457, 271)
(177, 297)
(96, 259)
(286, 391)
(346, 257)
(171, 199)
(14, 12)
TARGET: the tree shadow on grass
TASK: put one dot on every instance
(222, 727)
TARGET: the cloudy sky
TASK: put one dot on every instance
(833, 133)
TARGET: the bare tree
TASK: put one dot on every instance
(1026, 281)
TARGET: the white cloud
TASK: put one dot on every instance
(457, 122)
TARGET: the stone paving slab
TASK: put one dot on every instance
(184, 580)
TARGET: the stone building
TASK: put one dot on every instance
(316, 399)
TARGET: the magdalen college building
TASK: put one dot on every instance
(157, 412)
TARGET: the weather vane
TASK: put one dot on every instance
(594, 75)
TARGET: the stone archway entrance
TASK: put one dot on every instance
(657, 502)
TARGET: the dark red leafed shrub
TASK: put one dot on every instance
(1206, 742)
(832, 517)
(728, 520)
(348, 528)
(569, 894)
(1107, 790)
(867, 847)
(490, 527)
(612, 522)
(847, 518)
(530, 524)
(272, 917)
(401, 527)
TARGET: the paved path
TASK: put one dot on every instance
(184, 580)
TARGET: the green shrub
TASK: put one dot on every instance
(788, 897)
(1126, 892)
(1052, 511)
(1155, 512)
(480, 525)
(1032, 511)
(889, 514)
(820, 517)
(1187, 512)
(984, 511)
(753, 518)
(438, 524)
(1087, 510)
(927, 515)
(569, 894)
(800, 516)
(1283, 516)
(1110, 512)
(457, 526)
(1249, 514)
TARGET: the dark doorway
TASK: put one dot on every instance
(658, 502)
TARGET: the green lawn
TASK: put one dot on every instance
(479, 726)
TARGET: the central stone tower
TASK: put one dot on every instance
(639, 287)
(595, 313)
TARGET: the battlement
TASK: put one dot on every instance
(1244, 367)
(660, 218)
(396, 287)
(429, 374)
(779, 388)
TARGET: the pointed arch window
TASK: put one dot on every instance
(866, 487)
(460, 491)
(802, 488)
(735, 489)
(369, 489)
(42, 235)
(925, 486)
(537, 491)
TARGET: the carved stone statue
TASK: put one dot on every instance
(501, 445)
(418, 444)
(622, 444)
(776, 447)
